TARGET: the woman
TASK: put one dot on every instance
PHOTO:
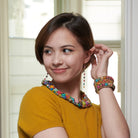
(58, 109)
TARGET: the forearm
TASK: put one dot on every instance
(113, 121)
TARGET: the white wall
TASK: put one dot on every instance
(131, 64)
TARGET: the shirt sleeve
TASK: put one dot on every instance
(39, 110)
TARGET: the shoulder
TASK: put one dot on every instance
(39, 98)
(39, 107)
(38, 93)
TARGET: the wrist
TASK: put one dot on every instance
(105, 90)
(99, 75)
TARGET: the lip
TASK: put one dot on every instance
(59, 70)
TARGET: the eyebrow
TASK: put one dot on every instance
(46, 46)
(67, 46)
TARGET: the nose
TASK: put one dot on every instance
(57, 59)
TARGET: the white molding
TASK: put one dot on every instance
(4, 69)
(131, 66)
(128, 58)
(109, 43)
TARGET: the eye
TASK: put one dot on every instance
(67, 50)
(47, 51)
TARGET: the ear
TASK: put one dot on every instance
(87, 56)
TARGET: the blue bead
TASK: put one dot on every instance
(106, 84)
(79, 105)
(72, 99)
(63, 95)
(96, 80)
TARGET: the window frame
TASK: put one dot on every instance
(4, 95)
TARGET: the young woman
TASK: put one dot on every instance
(59, 109)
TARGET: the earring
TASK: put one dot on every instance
(84, 79)
(46, 76)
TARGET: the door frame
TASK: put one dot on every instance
(4, 96)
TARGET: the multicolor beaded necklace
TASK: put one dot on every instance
(83, 103)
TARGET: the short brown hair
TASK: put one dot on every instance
(74, 23)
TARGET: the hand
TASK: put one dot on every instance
(99, 60)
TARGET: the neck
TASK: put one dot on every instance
(72, 88)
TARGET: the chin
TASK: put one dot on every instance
(62, 81)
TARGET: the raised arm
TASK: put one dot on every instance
(114, 124)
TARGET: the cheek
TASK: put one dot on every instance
(46, 61)
(76, 61)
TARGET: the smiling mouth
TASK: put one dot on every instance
(62, 70)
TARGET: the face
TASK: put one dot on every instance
(64, 57)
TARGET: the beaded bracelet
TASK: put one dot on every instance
(104, 82)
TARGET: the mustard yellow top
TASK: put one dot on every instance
(42, 109)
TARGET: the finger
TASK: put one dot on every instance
(94, 66)
(96, 51)
(102, 47)
(94, 55)
(92, 50)
(99, 54)
(107, 51)
(93, 59)
(101, 51)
